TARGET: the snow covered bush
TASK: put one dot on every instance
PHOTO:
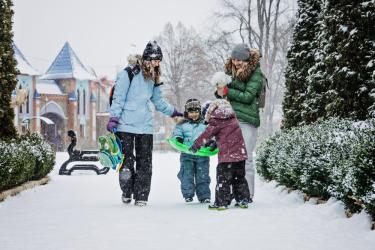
(27, 158)
(45, 156)
(335, 158)
(16, 165)
(354, 179)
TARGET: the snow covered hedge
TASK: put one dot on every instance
(27, 158)
(335, 158)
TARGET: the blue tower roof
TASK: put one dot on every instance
(67, 65)
(23, 65)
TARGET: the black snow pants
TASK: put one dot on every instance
(136, 180)
(231, 174)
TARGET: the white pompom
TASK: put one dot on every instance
(220, 79)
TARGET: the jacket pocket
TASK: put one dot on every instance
(131, 115)
(130, 106)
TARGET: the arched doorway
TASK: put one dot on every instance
(53, 133)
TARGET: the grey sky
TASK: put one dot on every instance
(100, 31)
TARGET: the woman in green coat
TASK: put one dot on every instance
(243, 93)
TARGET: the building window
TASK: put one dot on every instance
(82, 130)
(28, 104)
(84, 102)
(78, 101)
(23, 129)
(20, 108)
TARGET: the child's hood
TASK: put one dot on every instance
(219, 109)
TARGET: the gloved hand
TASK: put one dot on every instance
(180, 139)
(112, 124)
(176, 113)
(193, 149)
(221, 91)
(213, 145)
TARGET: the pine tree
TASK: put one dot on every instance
(341, 83)
(350, 57)
(8, 71)
(300, 60)
(315, 102)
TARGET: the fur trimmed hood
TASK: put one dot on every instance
(244, 73)
(219, 109)
(224, 126)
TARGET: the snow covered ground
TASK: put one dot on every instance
(84, 211)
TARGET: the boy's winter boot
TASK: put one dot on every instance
(205, 200)
(125, 199)
(217, 207)
(189, 199)
(242, 204)
(140, 203)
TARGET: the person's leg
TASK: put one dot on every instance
(202, 178)
(223, 182)
(143, 154)
(249, 133)
(240, 186)
(127, 173)
(186, 176)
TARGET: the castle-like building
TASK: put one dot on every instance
(68, 96)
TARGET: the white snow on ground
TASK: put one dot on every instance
(84, 211)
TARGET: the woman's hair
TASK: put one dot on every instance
(149, 72)
(245, 72)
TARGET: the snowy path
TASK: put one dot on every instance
(84, 211)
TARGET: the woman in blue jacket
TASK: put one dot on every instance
(132, 119)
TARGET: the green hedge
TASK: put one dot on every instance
(27, 158)
(333, 159)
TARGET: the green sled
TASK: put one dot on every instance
(204, 151)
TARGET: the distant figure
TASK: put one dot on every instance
(59, 144)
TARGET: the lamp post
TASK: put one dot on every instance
(45, 114)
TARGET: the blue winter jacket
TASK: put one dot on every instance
(133, 105)
(189, 131)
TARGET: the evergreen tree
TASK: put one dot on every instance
(300, 60)
(315, 102)
(8, 71)
(350, 57)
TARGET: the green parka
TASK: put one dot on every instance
(245, 89)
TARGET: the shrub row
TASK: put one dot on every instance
(335, 158)
(24, 159)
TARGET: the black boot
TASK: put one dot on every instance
(217, 207)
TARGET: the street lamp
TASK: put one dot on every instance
(45, 114)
